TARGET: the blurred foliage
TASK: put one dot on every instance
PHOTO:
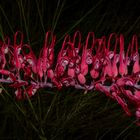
(67, 114)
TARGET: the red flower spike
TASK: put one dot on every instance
(24, 69)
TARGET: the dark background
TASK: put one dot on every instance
(100, 16)
(73, 116)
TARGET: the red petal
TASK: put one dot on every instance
(50, 73)
(18, 94)
(81, 78)
(71, 72)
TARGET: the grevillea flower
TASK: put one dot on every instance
(98, 64)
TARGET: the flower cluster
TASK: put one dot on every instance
(102, 64)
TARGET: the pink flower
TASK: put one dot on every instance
(100, 64)
(123, 64)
